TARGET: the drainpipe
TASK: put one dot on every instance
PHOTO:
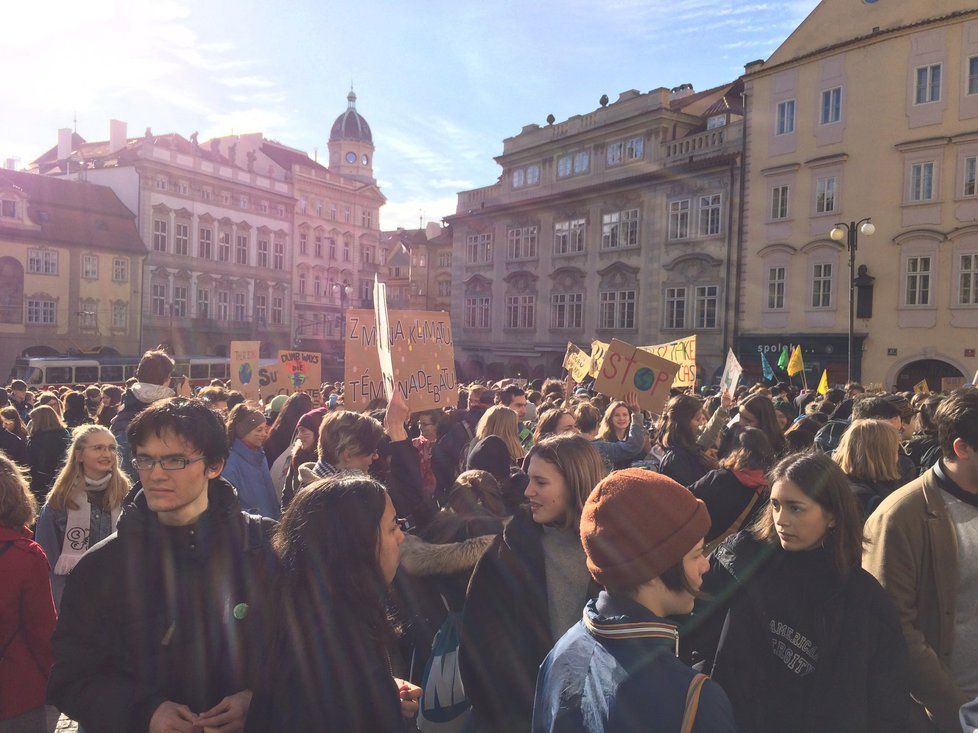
(740, 222)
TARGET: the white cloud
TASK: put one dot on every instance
(407, 213)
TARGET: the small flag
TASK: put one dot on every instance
(921, 387)
(783, 359)
(766, 369)
(795, 364)
(823, 384)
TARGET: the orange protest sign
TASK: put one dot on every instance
(628, 369)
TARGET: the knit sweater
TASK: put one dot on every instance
(567, 578)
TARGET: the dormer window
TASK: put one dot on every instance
(716, 121)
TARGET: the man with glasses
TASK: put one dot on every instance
(161, 623)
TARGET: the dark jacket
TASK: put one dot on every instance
(157, 613)
(26, 623)
(683, 466)
(325, 675)
(506, 628)
(806, 645)
(12, 446)
(448, 455)
(596, 682)
(130, 406)
(923, 449)
(46, 452)
(871, 493)
(726, 498)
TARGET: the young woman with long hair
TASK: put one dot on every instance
(555, 421)
(282, 432)
(614, 424)
(27, 615)
(869, 456)
(682, 420)
(84, 504)
(47, 445)
(12, 422)
(756, 411)
(811, 637)
(285, 470)
(530, 585)
(503, 423)
(339, 545)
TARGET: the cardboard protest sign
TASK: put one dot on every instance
(422, 356)
(383, 336)
(628, 369)
(598, 348)
(683, 352)
(292, 371)
(731, 374)
(244, 367)
(921, 387)
(577, 362)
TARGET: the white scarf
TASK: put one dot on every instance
(149, 393)
(78, 528)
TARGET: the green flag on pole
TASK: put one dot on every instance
(783, 359)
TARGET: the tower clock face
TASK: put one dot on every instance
(351, 157)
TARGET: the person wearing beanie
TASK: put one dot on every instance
(808, 635)
(246, 468)
(618, 668)
(529, 587)
(303, 451)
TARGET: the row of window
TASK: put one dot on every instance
(225, 197)
(619, 230)
(684, 307)
(578, 162)
(225, 308)
(329, 251)
(44, 312)
(917, 290)
(205, 245)
(927, 90)
(45, 262)
(367, 216)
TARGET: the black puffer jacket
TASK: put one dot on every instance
(683, 465)
(805, 645)
(46, 452)
(156, 613)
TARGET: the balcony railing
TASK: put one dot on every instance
(710, 142)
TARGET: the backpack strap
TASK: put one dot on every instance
(692, 702)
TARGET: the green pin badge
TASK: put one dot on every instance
(240, 611)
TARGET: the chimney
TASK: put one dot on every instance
(64, 143)
(117, 135)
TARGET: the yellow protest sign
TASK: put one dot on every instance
(577, 362)
(597, 354)
(422, 355)
(682, 352)
(244, 367)
(921, 387)
(627, 369)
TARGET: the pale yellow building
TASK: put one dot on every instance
(869, 109)
(71, 262)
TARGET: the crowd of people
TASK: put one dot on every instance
(540, 557)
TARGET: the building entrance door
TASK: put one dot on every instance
(933, 370)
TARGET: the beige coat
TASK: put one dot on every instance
(913, 553)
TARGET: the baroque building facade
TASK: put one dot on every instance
(71, 261)
(218, 234)
(866, 110)
(617, 223)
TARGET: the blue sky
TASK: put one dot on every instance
(441, 82)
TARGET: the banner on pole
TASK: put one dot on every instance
(731, 374)
(682, 352)
(244, 368)
(626, 368)
(577, 362)
(422, 359)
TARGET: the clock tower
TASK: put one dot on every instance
(351, 147)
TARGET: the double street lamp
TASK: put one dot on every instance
(850, 232)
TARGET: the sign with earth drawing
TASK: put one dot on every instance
(627, 369)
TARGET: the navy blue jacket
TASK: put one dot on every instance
(617, 671)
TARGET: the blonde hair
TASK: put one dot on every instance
(581, 466)
(18, 507)
(869, 450)
(607, 431)
(71, 474)
(502, 422)
(44, 418)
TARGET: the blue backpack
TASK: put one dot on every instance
(445, 708)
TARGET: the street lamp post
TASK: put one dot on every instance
(850, 232)
(344, 291)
